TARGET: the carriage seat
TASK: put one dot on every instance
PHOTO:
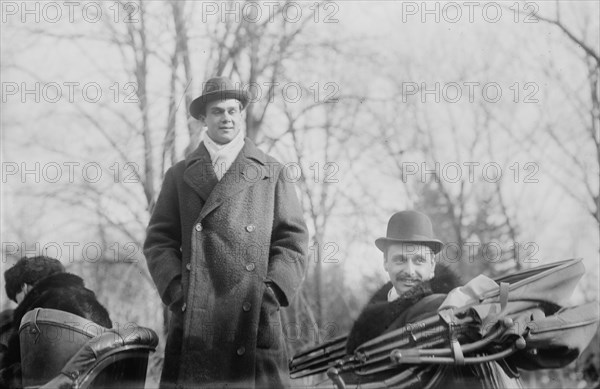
(63, 350)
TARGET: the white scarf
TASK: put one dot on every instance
(222, 156)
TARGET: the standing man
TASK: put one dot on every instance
(226, 246)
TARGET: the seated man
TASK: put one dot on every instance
(416, 290)
(56, 290)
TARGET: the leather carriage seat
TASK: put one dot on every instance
(62, 348)
(49, 338)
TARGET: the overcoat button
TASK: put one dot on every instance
(183, 307)
(246, 306)
(188, 266)
(250, 267)
(250, 227)
(198, 227)
(241, 350)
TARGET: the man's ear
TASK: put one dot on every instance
(385, 262)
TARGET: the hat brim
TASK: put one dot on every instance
(198, 106)
(434, 244)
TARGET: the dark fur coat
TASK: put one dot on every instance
(65, 292)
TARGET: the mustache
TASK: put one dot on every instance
(405, 277)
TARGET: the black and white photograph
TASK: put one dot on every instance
(300, 194)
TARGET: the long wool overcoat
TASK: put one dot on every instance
(218, 243)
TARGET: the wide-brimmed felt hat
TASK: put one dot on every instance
(218, 88)
(409, 227)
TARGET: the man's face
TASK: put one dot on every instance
(408, 264)
(223, 120)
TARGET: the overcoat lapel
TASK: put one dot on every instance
(247, 169)
(200, 174)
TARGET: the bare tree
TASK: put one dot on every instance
(585, 125)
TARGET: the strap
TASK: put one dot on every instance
(34, 329)
(448, 317)
(457, 353)
(504, 289)
(503, 300)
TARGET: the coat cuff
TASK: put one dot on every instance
(284, 284)
(279, 295)
(174, 292)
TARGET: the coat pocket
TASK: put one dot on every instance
(270, 333)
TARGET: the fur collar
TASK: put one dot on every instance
(55, 281)
(379, 314)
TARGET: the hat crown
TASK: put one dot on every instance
(218, 88)
(218, 84)
(408, 225)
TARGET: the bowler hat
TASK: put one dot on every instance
(217, 88)
(409, 227)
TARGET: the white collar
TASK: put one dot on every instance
(392, 295)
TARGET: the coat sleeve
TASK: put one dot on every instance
(162, 247)
(289, 242)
